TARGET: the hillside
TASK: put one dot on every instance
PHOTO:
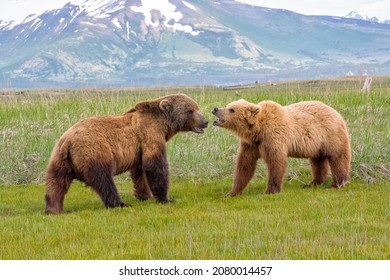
(125, 43)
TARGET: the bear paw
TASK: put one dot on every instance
(123, 205)
(229, 194)
(165, 200)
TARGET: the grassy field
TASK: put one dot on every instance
(316, 223)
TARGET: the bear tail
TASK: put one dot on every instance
(59, 176)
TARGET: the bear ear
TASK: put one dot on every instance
(255, 109)
(164, 105)
(251, 112)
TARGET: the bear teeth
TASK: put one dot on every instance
(198, 130)
(218, 122)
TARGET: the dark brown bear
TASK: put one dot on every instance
(98, 148)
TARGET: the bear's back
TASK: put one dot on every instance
(313, 126)
(314, 111)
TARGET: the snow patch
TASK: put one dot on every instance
(167, 10)
(361, 16)
(75, 15)
(129, 31)
(192, 7)
(37, 20)
(15, 12)
(102, 8)
(87, 23)
(184, 28)
(116, 22)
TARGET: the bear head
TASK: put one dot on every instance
(237, 115)
(178, 111)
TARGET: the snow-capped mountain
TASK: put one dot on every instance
(134, 42)
(357, 15)
(362, 16)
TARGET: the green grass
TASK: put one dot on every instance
(316, 223)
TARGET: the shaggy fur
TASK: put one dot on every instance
(98, 148)
(267, 130)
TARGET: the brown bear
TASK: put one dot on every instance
(270, 131)
(98, 148)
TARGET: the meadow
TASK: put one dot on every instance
(315, 223)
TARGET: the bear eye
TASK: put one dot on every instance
(190, 112)
(231, 110)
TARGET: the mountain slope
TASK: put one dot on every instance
(134, 42)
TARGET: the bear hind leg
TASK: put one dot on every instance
(141, 188)
(100, 179)
(320, 170)
(58, 180)
(340, 167)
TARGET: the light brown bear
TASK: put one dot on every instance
(270, 131)
(98, 148)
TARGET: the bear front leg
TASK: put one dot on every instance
(276, 168)
(155, 166)
(245, 167)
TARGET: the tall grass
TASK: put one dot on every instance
(31, 122)
(315, 223)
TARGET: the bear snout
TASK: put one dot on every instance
(203, 122)
(200, 125)
(218, 113)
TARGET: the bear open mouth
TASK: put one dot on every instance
(198, 130)
(218, 122)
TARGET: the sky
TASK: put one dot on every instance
(19, 9)
(378, 8)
